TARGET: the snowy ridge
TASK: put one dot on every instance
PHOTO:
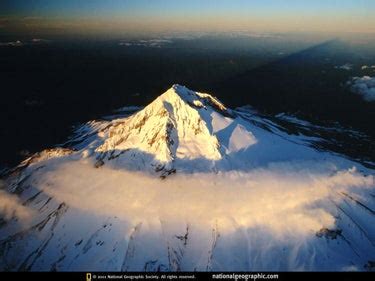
(240, 193)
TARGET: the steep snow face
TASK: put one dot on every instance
(175, 126)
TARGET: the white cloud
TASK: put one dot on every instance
(283, 198)
(364, 86)
(155, 43)
(10, 206)
(347, 66)
(367, 67)
(39, 41)
(17, 43)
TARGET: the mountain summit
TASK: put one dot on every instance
(179, 125)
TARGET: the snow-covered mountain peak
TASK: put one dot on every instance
(177, 125)
(178, 93)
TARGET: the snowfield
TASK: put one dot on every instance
(188, 184)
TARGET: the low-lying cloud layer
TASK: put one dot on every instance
(19, 43)
(284, 198)
(284, 216)
(347, 66)
(155, 43)
(10, 206)
(364, 67)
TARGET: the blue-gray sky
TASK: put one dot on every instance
(111, 16)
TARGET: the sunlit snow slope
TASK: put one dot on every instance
(187, 184)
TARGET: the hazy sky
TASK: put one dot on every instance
(122, 16)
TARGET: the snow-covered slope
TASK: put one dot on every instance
(239, 193)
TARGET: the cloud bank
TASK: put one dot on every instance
(284, 216)
(10, 206)
(155, 43)
(367, 67)
(347, 66)
(364, 86)
(281, 198)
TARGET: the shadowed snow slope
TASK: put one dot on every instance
(187, 184)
